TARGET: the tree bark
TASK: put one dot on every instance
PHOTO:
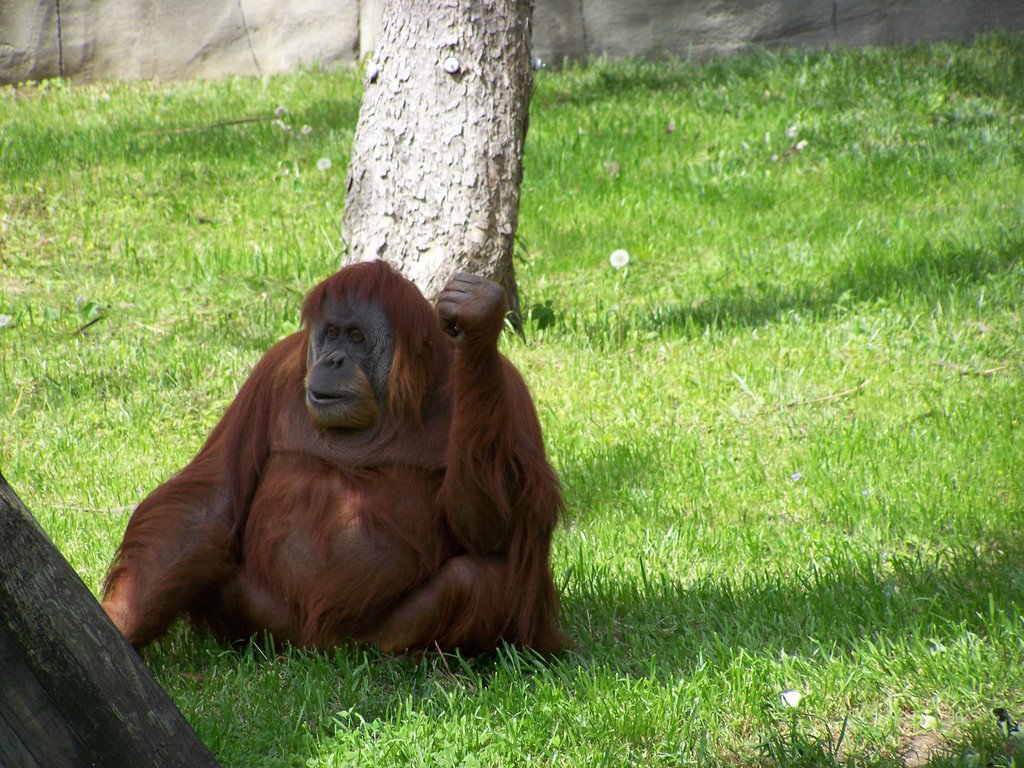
(433, 185)
(72, 691)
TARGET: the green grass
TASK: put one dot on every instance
(790, 431)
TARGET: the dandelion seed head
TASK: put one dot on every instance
(323, 164)
(791, 698)
(619, 258)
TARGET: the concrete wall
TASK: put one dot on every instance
(128, 39)
(94, 39)
(701, 28)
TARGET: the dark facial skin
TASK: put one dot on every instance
(347, 365)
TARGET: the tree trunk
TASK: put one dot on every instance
(433, 185)
(72, 691)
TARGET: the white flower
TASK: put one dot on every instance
(323, 164)
(801, 145)
(281, 111)
(792, 131)
(306, 130)
(281, 124)
(791, 698)
(619, 258)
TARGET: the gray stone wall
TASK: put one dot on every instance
(700, 28)
(127, 39)
(170, 39)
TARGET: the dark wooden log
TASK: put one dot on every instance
(73, 692)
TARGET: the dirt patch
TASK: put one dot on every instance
(919, 748)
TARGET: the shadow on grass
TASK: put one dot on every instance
(858, 612)
(992, 66)
(852, 605)
(624, 467)
(930, 272)
(831, 607)
(203, 135)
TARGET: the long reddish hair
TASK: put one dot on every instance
(420, 344)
